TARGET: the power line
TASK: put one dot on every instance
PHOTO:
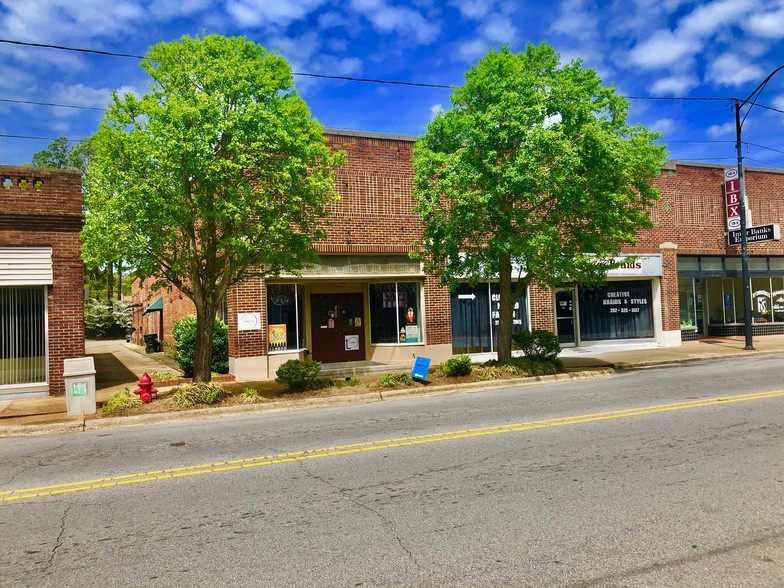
(342, 78)
(769, 108)
(763, 146)
(35, 138)
(773, 165)
(302, 74)
(51, 104)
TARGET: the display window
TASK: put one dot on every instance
(395, 313)
(616, 310)
(284, 317)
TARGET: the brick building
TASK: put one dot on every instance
(41, 278)
(367, 300)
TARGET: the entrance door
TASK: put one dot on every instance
(564, 317)
(338, 333)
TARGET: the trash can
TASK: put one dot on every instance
(79, 376)
(151, 343)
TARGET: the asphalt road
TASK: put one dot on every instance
(661, 477)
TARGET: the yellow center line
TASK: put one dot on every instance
(339, 450)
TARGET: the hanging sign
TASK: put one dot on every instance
(770, 232)
(732, 198)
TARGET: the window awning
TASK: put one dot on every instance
(157, 305)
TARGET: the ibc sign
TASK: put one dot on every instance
(732, 198)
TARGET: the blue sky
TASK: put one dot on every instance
(646, 48)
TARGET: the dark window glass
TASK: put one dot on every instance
(22, 335)
(475, 316)
(617, 310)
(284, 322)
(383, 313)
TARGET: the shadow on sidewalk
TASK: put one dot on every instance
(110, 371)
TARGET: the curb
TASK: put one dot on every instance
(276, 406)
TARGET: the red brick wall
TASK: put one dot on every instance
(175, 306)
(691, 213)
(50, 215)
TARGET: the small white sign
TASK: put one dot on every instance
(248, 321)
(352, 342)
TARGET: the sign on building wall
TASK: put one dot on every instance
(732, 198)
(248, 321)
(770, 232)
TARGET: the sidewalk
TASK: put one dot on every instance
(119, 365)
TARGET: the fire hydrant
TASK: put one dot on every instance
(145, 389)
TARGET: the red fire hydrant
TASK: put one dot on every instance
(145, 389)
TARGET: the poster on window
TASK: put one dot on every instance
(277, 337)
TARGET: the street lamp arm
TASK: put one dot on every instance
(757, 91)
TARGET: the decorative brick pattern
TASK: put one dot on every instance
(43, 208)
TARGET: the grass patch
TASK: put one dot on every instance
(394, 380)
(189, 395)
(121, 401)
(162, 376)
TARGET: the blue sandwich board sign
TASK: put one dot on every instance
(421, 365)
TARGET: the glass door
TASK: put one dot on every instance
(564, 317)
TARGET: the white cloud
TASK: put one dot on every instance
(474, 9)
(778, 102)
(676, 85)
(663, 49)
(708, 18)
(499, 29)
(766, 24)
(251, 13)
(392, 19)
(435, 109)
(12, 78)
(731, 70)
(576, 20)
(663, 126)
(472, 50)
(716, 131)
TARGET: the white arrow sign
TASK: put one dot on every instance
(466, 296)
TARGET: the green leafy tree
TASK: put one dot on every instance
(217, 174)
(534, 170)
(59, 154)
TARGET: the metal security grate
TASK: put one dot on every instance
(22, 335)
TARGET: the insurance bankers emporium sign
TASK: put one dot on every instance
(732, 206)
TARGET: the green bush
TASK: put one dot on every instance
(538, 344)
(395, 380)
(457, 366)
(121, 401)
(202, 393)
(184, 332)
(106, 319)
(299, 375)
(252, 395)
(347, 383)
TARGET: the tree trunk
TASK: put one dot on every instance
(205, 325)
(506, 311)
(109, 283)
(119, 281)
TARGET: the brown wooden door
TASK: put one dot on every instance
(338, 332)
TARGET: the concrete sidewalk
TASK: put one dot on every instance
(119, 365)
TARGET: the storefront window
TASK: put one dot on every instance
(761, 306)
(715, 301)
(687, 303)
(777, 285)
(476, 315)
(284, 317)
(22, 335)
(617, 310)
(395, 315)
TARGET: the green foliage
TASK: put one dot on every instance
(522, 366)
(538, 344)
(157, 376)
(394, 380)
(121, 401)
(252, 395)
(347, 383)
(298, 375)
(534, 166)
(184, 332)
(457, 366)
(98, 318)
(198, 393)
(59, 154)
(220, 170)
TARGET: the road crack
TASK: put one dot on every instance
(59, 541)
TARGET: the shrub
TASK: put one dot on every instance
(251, 395)
(395, 380)
(103, 318)
(457, 366)
(184, 332)
(201, 393)
(157, 376)
(298, 375)
(347, 383)
(538, 344)
(121, 401)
